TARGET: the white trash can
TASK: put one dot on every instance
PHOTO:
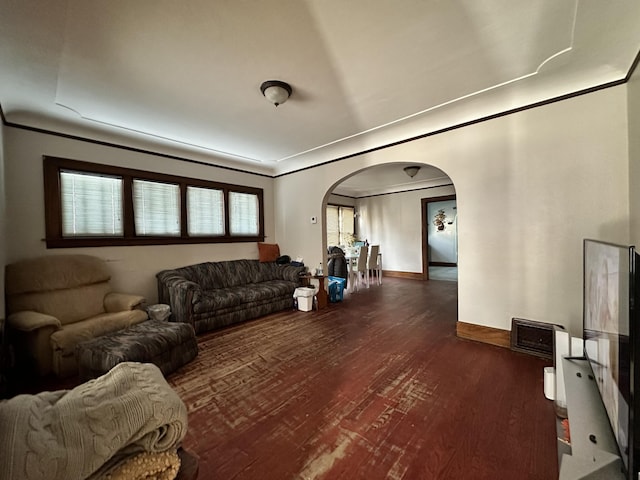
(550, 383)
(304, 297)
(159, 311)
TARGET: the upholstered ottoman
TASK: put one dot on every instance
(168, 345)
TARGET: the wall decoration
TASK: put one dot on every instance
(438, 220)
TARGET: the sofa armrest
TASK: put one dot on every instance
(291, 273)
(27, 321)
(118, 302)
(179, 293)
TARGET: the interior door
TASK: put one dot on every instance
(439, 232)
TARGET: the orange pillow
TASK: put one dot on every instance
(268, 251)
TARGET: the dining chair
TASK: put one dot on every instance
(358, 270)
(374, 265)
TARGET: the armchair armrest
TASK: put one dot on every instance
(118, 302)
(29, 320)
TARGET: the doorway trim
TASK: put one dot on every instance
(425, 231)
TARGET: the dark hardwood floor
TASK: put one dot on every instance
(375, 387)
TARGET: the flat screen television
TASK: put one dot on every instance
(611, 340)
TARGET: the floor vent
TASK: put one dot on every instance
(535, 338)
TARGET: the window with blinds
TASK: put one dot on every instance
(92, 205)
(340, 224)
(333, 225)
(243, 213)
(89, 205)
(205, 211)
(156, 208)
(347, 224)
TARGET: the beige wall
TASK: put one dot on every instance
(134, 268)
(378, 221)
(633, 95)
(530, 186)
(342, 200)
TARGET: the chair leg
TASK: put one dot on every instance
(375, 275)
(358, 281)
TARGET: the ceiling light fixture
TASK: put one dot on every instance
(411, 171)
(275, 91)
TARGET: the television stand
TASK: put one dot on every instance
(594, 451)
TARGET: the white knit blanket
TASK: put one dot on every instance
(71, 434)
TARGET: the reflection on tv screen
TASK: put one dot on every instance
(606, 331)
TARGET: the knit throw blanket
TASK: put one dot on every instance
(74, 434)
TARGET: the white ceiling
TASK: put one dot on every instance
(391, 178)
(183, 77)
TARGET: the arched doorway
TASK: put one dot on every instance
(388, 211)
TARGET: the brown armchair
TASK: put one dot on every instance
(55, 302)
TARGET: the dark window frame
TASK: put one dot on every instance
(53, 206)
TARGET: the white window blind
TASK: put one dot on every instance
(333, 225)
(347, 224)
(205, 211)
(156, 208)
(243, 214)
(91, 205)
(340, 225)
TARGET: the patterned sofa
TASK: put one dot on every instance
(211, 295)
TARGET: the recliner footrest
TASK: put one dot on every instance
(168, 345)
